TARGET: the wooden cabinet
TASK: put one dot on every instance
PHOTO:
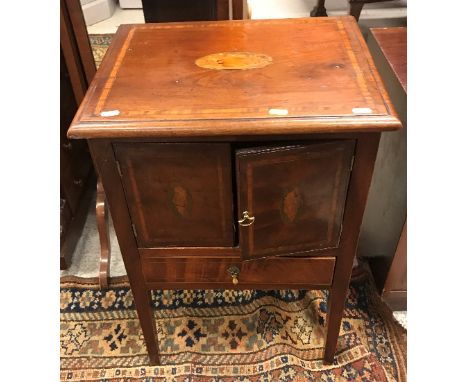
(249, 172)
(384, 226)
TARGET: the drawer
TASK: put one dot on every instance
(212, 272)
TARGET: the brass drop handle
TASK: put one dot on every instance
(234, 272)
(246, 219)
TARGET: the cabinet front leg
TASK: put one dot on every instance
(148, 325)
(336, 301)
(365, 153)
(105, 164)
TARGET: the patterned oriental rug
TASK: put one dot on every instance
(99, 44)
(227, 336)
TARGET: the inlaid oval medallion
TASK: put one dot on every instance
(291, 204)
(234, 61)
(181, 201)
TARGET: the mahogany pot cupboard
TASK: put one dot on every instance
(233, 161)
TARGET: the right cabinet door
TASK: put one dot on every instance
(291, 198)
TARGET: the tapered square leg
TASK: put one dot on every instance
(336, 302)
(366, 151)
(154, 359)
(103, 157)
(148, 325)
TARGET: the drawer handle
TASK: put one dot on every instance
(246, 219)
(234, 272)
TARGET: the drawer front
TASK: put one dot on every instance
(294, 197)
(178, 194)
(273, 272)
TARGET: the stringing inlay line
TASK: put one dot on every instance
(113, 74)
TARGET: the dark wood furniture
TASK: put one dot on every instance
(384, 227)
(104, 238)
(394, 292)
(77, 179)
(76, 71)
(231, 162)
(355, 7)
(157, 11)
(319, 10)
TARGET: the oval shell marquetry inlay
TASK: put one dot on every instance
(234, 61)
(291, 205)
(181, 200)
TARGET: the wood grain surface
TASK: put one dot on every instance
(172, 203)
(392, 42)
(322, 79)
(178, 194)
(296, 194)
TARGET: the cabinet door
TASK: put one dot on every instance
(292, 198)
(179, 195)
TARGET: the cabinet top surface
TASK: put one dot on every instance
(292, 76)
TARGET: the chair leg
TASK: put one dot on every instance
(103, 229)
(319, 9)
(355, 9)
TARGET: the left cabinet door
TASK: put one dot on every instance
(179, 195)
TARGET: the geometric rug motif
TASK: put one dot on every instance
(99, 44)
(227, 336)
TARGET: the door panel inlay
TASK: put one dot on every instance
(181, 201)
(178, 194)
(291, 204)
(297, 195)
